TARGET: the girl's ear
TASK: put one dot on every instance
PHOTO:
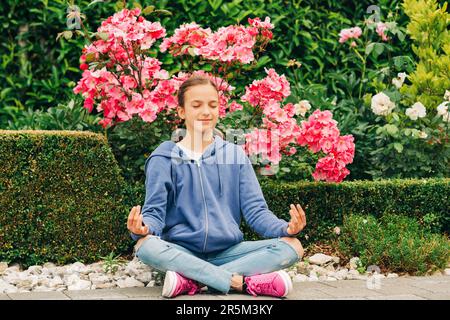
(180, 112)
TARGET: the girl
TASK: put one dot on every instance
(196, 191)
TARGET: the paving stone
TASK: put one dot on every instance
(313, 285)
(349, 284)
(434, 296)
(100, 294)
(345, 298)
(145, 298)
(349, 292)
(397, 297)
(206, 296)
(51, 295)
(439, 285)
(400, 289)
(310, 294)
(151, 292)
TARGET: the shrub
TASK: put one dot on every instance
(327, 204)
(428, 29)
(395, 243)
(61, 198)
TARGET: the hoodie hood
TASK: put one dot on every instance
(171, 151)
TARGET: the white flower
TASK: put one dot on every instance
(382, 104)
(417, 110)
(442, 110)
(398, 82)
(423, 134)
(447, 95)
(337, 230)
(302, 107)
(334, 101)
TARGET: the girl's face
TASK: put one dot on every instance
(201, 103)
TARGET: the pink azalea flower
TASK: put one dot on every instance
(351, 33)
(381, 28)
(234, 106)
(186, 36)
(273, 87)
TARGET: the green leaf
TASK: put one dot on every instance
(378, 49)
(400, 35)
(119, 5)
(94, 2)
(103, 35)
(90, 57)
(4, 93)
(148, 10)
(192, 51)
(66, 34)
(398, 147)
(163, 12)
(137, 5)
(391, 129)
(395, 116)
(215, 4)
(369, 48)
(263, 61)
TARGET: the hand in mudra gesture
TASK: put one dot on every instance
(134, 222)
(298, 220)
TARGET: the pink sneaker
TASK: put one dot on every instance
(276, 284)
(175, 284)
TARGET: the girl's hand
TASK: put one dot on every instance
(298, 220)
(134, 222)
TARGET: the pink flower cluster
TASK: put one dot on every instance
(351, 33)
(381, 29)
(122, 34)
(227, 44)
(273, 87)
(264, 26)
(279, 127)
(123, 81)
(186, 36)
(320, 133)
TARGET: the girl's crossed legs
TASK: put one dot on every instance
(223, 269)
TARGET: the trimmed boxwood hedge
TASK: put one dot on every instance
(326, 204)
(61, 197)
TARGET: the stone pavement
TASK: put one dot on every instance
(402, 288)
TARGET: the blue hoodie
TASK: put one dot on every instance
(199, 205)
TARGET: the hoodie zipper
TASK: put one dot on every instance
(204, 202)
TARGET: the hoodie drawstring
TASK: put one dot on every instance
(173, 173)
(220, 180)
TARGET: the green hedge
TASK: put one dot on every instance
(61, 197)
(326, 204)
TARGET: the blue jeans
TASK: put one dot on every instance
(215, 270)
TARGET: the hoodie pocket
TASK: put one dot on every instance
(238, 236)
